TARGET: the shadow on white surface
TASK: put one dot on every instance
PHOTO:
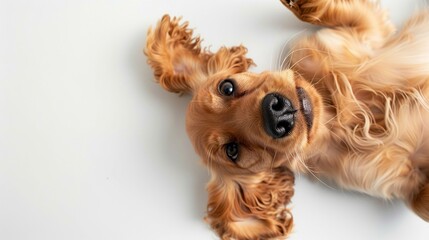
(176, 156)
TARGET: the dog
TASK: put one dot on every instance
(351, 106)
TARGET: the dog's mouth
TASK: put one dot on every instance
(306, 106)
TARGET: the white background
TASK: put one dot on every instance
(92, 148)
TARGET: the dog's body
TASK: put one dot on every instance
(351, 106)
(375, 85)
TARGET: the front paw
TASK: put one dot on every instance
(305, 10)
(289, 2)
(292, 4)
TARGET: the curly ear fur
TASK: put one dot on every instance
(179, 63)
(251, 207)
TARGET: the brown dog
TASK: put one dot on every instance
(351, 106)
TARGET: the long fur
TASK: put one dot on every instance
(369, 88)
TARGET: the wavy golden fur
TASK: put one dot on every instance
(368, 88)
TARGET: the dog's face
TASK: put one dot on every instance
(246, 123)
(244, 126)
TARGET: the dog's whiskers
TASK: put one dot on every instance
(336, 115)
(272, 161)
(299, 157)
(320, 79)
(300, 60)
(289, 56)
(279, 62)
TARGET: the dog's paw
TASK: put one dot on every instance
(306, 10)
(289, 2)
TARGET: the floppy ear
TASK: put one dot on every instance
(251, 207)
(179, 63)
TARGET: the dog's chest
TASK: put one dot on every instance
(371, 156)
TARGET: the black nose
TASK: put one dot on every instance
(278, 114)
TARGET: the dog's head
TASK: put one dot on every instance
(245, 126)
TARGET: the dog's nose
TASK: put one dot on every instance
(278, 115)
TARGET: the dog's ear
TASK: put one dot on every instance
(251, 207)
(179, 63)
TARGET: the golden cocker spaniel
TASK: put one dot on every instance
(351, 106)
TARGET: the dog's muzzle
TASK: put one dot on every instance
(278, 115)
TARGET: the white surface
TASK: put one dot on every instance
(92, 148)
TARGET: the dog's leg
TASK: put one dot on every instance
(403, 61)
(419, 199)
(364, 16)
(420, 202)
(357, 28)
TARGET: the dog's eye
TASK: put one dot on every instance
(232, 151)
(226, 87)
